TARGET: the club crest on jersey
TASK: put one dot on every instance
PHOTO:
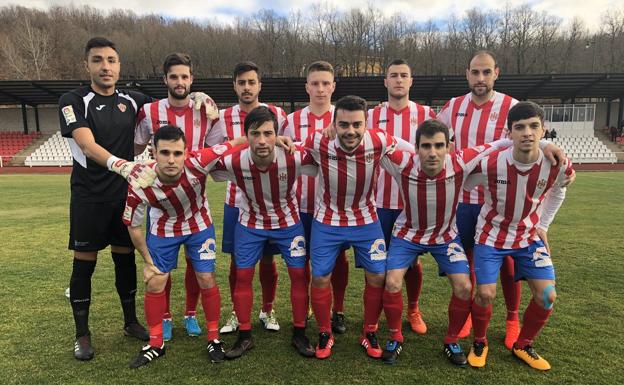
(219, 149)
(414, 120)
(493, 116)
(127, 215)
(208, 250)
(68, 114)
(196, 123)
(122, 107)
(541, 258)
(541, 183)
(368, 158)
(377, 251)
(455, 252)
(298, 246)
(283, 177)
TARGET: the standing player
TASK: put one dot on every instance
(179, 215)
(177, 109)
(266, 176)
(523, 192)
(320, 86)
(477, 118)
(399, 117)
(231, 123)
(346, 216)
(99, 121)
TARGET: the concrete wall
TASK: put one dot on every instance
(11, 119)
(601, 115)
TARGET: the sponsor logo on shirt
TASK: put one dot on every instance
(541, 258)
(383, 121)
(100, 107)
(68, 114)
(502, 181)
(236, 123)
(377, 251)
(461, 114)
(304, 125)
(208, 250)
(298, 247)
(163, 122)
(127, 215)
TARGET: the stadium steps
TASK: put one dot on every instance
(20, 157)
(605, 138)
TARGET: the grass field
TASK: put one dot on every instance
(581, 341)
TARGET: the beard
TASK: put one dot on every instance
(174, 94)
(481, 89)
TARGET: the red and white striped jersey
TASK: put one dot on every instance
(268, 196)
(347, 179)
(401, 124)
(514, 194)
(474, 125)
(428, 216)
(180, 208)
(231, 125)
(196, 126)
(300, 125)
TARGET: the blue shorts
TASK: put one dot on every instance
(306, 221)
(201, 247)
(290, 241)
(467, 216)
(230, 220)
(327, 241)
(450, 256)
(532, 262)
(387, 217)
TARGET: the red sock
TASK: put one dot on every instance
(243, 297)
(298, 296)
(512, 290)
(458, 310)
(373, 304)
(321, 299)
(480, 320)
(413, 286)
(211, 303)
(192, 289)
(339, 280)
(167, 311)
(232, 276)
(268, 281)
(154, 304)
(534, 319)
(393, 309)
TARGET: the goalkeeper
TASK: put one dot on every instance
(99, 122)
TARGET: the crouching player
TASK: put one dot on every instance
(269, 212)
(179, 215)
(523, 192)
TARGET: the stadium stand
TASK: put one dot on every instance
(585, 149)
(56, 152)
(12, 142)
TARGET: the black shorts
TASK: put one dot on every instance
(94, 226)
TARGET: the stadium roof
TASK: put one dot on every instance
(563, 87)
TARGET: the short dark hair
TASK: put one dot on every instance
(431, 127)
(398, 62)
(350, 103)
(177, 58)
(524, 110)
(320, 65)
(484, 52)
(258, 116)
(98, 42)
(169, 132)
(246, 66)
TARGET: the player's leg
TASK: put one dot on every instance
(167, 317)
(452, 262)
(339, 282)
(248, 250)
(268, 283)
(370, 253)
(292, 245)
(325, 243)
(512, 291)
(413, 287)
(536, 266)
(487, 263)
(164, 254)
(202, 253)
(467, 216)
(193, 292)
(230, 219)
(401, 255)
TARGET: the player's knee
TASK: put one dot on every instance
(485, 295)
(321, 281)
(394, 282)
(462, 289)
(157, 283)
(206, 280)
(376, 280)
(547, 297)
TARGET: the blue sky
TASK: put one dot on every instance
(226, 11)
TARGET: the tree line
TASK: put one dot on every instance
(36, 44)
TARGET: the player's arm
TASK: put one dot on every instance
(138, 240)
(142, 132)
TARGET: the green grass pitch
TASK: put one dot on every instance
(581, 340)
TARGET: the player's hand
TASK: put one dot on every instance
(149, 271)
(286, 143)
(137, 174)
(554, 154)
(569, 179)
(543, 236)
(201, 99)
(329, 132)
